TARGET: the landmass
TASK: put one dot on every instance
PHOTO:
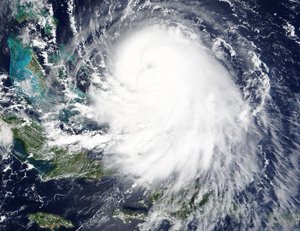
(30, 146)
(49, 221)
(127, 215)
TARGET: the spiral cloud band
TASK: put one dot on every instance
(172, 108)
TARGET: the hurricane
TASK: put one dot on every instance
(177, 115)
(171, 107)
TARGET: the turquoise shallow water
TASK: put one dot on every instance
(20, 57)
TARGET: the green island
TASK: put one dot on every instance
(49, 221)
(75, 165)
(30, 146)
(127, 215)
(32, 137)
(189, 207)
(35, 67)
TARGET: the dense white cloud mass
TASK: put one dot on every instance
(173, 110)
